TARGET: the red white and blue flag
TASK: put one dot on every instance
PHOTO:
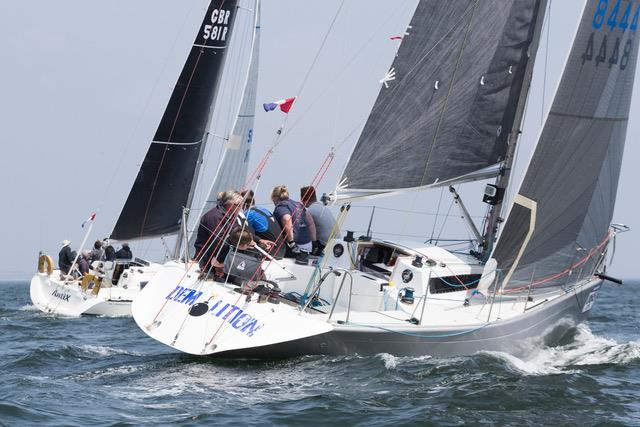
(284, 104)
(90, 219)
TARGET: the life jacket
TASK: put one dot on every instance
(273, 232)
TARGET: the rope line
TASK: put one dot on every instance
(252, 283)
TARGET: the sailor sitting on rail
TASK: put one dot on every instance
(211, 248)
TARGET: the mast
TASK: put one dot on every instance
(503, 179)
(232, 171)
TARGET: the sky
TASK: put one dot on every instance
(84, 85)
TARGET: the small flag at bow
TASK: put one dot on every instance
(90, 219)
(284, 104)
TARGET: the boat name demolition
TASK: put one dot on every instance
(230, 313)
(63, 296)
(218, 28)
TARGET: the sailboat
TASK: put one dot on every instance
(449, 111)
(163, 190)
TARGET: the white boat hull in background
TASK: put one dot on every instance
(51, 295)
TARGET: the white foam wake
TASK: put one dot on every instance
(391, 361)
(586, 349)
(107, 351)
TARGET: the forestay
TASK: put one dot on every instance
(447, 106)
(558, 226)
(166, 179)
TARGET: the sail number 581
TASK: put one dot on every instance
(610, 20)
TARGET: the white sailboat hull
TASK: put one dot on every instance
(546, 326)
(370, 318)
(52, 295)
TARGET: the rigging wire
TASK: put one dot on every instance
(239, 36)
(444, 222)
(435, 220)
(324, 41)
(123, 153)
(338, 75)
(173, 126)
(382, 208)
(282, 237)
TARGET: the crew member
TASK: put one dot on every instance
(297, 223)
(124, 252)
(97, 253)
(322, 218)
(66, 257)
(263, 225)
(215, 224)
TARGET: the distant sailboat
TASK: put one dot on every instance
(164, 187)
(451, 114)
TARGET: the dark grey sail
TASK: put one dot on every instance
(447, 114)
(558, 227)
(168, 173)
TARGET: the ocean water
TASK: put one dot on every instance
(103, 371)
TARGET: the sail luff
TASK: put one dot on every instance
(164, 184)
(504, 178)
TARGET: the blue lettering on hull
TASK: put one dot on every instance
(231, 314)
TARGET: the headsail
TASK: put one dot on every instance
(168, 173)
(446, 115)
(232, 172)
(558, 226)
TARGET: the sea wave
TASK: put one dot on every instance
(585, 349)
(115, 371)
(43, 356)
(107, 351)
(391, 362)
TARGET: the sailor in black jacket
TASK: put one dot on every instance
(66, 257)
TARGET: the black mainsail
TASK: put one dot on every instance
(558, 226)
(449, 102)
(167, 177)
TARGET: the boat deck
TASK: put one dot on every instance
(438, 312)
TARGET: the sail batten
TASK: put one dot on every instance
(573, 174)
(452, 104)
(166, 179)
